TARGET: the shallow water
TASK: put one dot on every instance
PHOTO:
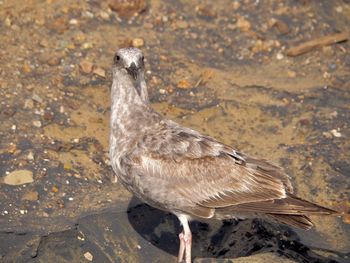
(219, 69)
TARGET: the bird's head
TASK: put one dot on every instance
(130, 60)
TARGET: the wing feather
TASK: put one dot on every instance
(188, 171)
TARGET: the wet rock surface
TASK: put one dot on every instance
(221, 68)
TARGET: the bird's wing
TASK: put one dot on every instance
(200, 173)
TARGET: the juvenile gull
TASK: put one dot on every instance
(179, 170)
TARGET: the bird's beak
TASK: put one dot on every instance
(133, 70)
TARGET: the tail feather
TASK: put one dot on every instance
(300, 221)
(291, 205)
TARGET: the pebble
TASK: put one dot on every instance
(31, 196)
(243, 24)
(336, 133)
(86, 66)
(291, 74)
(279, 56)
(181, 24)
(128, 8)
(28, 104)
(73, 21)
(30, 156)
(183, 84)
(88, 256)
(137, 42)
(37, 124)
(37, 98)
(19, 177)
(54, 61)
(99, 72)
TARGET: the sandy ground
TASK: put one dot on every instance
(222, 68)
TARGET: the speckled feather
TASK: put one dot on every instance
(182, 171)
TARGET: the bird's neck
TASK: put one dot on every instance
(129, 101)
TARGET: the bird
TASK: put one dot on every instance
(193, 176)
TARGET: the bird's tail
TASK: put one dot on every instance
(300, 221)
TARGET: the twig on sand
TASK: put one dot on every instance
(316, 43)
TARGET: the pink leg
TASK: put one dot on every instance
(185, 240)
(188, 246)
(182, 247)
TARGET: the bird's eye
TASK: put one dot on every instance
(116, 59)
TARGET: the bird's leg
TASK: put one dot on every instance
(185, 240)
(182, 247)
(188, 245)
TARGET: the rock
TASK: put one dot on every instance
(127, 8)
(28, 104)
(86, 66)
(88, 256)
(282, 27)
(206, 11)
(37, 98)
(258, 258)
(99, 72)
(181, 24)
(279, 56)
(30, 196)
(183, 84)
(19, 177)
(243, 24)
(137, 42)
(336, 133)
(291, 74)
(26, 68)
(59, 25)
(54, 61)
(37, 124)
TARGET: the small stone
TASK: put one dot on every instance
(181, 24)
(26, 68)
(28, 104)
(73, 21)
(326, 75)
(54, 61)
(128, 8)
(44, 43)
(37, 124)
(88, 256)
(162, 91)
(30, 156)
(54, 189)
(339, 9)
(30, 196)
(183, 84)
(336, 133)
(137, 42)
(8, 22)
(59, 25)
(282, 27)
(99, 72)
(87, 45)
(243, 24)
(279, 56)
(19, 177)
(86, 66)
(236, 5)
(328, 135)
(291, 74)
(104, 15)
(37, 98)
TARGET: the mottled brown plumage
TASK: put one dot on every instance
(189, 174)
